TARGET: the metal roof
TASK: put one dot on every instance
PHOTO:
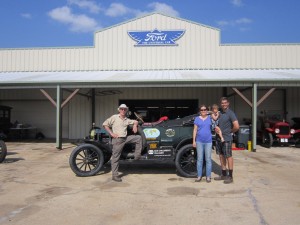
(153, 78)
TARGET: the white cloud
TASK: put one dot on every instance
(237, 3)
(237, 22)
(26, 15)
(243, 21)
(164, 8)
(118, 9)
(86, 4)
(77, 23)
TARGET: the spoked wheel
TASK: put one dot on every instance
(297, 140)
(186, 161)
(267, 139)
(3, 151)
(86, 160)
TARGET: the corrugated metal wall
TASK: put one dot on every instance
(38, 113)
(198, 48)
(31, 107)
(106, 106)
(293, 106)
(275, 101)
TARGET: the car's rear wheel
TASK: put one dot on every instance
(3, 151)
(186, 161)
(267, 139)
(297, 140)
(86, 160)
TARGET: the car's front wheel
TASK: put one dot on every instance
(86, 160)
(186, 161)
(267, 139)
(3, 151)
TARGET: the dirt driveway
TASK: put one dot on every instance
(38, 187)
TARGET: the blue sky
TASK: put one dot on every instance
(63, 23)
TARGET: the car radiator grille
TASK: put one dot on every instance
(284, 130)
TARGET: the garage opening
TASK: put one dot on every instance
(152, 110)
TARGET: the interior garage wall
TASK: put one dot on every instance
(293, 106)
(30, 106)
(37, 113)
(80, 117)
(275, 102)
(108, 105)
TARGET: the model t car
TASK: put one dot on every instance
(274, 129)
(3, 149)
(164, 139)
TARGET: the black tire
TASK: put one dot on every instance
(3, 151)
(86, 160)
(186, 161)
(267, 140)
(297, 140)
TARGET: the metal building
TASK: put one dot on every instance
(154, 61)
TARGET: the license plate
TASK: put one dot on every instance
(283, 140)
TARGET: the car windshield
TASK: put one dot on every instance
(274, 115)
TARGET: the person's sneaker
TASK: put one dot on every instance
(220, 177)
(140, 157)
(117, 179)
(137, 157)
(228, 180)
(208, 180)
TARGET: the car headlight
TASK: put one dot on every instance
(277, 130)
(292, 131)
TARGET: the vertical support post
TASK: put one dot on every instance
(254, 116)
(58, 118)
(93, 105)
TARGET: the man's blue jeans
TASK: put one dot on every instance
(204, 149)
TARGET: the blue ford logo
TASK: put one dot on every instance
(156, 37)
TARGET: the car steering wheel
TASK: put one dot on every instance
(139, 117)
(276, 117)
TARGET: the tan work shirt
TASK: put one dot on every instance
(118, 125)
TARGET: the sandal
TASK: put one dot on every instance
(208, 180)
(198, 179)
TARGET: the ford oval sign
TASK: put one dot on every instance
(156, 37)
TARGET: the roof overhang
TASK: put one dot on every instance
(153, 78)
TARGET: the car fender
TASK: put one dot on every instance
(269, 130)
(182, 142)
(106, 148)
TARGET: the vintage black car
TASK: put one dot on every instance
(164, 139)
(3, 150)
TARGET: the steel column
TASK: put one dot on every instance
(58, 118)
(254, 116)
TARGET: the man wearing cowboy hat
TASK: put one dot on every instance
(116, 126)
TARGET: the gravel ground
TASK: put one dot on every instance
(38, 187)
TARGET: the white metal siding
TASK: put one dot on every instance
(198, 48)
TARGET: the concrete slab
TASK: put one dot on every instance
(38, 187)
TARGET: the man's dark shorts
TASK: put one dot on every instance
(224, 148)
